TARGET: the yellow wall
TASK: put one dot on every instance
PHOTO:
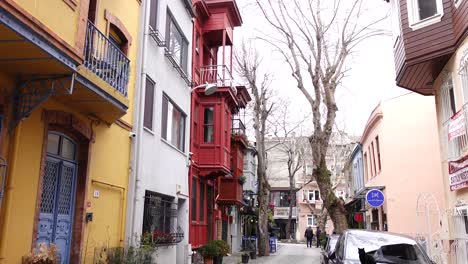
(56, 15)
(109, 163)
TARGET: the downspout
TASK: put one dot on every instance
(138, 104)
(9, 188)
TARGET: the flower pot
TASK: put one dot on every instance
(218, 260)
(207, 260)
(245, 258)
(253, 254)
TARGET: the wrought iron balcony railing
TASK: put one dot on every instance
(219, 74)
(238, 127)
(456, 146)
(105, 59)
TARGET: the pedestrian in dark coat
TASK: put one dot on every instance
(318, 236)
(309, 235)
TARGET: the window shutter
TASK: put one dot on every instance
(153, 13)
(164, 117)
(149, 104)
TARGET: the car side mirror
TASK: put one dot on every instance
(332, 255)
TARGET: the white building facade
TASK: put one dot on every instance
(158, 189)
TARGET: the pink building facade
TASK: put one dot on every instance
(401, 157)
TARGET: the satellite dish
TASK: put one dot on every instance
(210, 88)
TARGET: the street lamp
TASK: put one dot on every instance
(210, 88)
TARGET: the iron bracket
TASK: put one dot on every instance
(156, 35)
(30, 93)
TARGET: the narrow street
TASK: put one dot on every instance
(287, 253)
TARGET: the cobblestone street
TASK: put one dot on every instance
(287, 253)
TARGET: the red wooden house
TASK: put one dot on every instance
(217, 136)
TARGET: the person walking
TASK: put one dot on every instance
(309, 235)
(318, 236)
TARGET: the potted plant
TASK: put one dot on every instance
(209, 251)
(223, 248)
(242, 179)
(245, 258)
(43, 254)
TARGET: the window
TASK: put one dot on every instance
(317, 195)
(366, 172)
(395, 19)
(173, 124)
(149, 101)
(202, 202)
(308, 170)
(422, 13)
(208, 124)
(463, 71)
(153, 14)
(194, 200)
(311, 220)
(311, 196)
(447, 98)
(370, 162)
(377, 144)
(176, 43)
(160, 213)
(373, 159)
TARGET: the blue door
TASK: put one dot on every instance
(58, 192)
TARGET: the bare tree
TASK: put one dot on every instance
(315, 38)
(247, 67)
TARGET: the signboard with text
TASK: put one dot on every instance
(458, 173)
(375, 198)
(456, 126)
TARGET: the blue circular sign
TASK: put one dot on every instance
(375, 198)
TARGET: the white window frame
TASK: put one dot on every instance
(314, 222)
(413, 15)
(457, 3)
(396, 23)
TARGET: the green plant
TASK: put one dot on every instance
(209, 250)
(222, 246)
(242, 179)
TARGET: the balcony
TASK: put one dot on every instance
(106, 60)
(230, 191)
(219, 74)
(283, 212)
(238, 127)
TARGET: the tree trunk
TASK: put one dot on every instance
(263, 199)
(291, 202)
(335, 206)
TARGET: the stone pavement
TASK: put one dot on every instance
(286, 253)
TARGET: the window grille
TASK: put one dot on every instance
(160, 219)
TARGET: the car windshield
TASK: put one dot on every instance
(386, 248)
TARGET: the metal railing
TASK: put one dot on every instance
(238, 127)
(160, 221)
(105, 59)
(219, 74)
(457, 146)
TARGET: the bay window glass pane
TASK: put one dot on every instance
(173, 127)
(68, 149)
(176, 45)
(53, 144)
(202, 202)
(427, 8)
(208, 128)
(194, 200)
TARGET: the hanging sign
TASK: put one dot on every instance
(458, 173)
(375, 198)
(456, 126)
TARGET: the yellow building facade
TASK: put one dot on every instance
(67, 74)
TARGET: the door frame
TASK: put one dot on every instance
(82, 134)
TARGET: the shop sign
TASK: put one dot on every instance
(375, 198)
(458, 173)
(456, 126)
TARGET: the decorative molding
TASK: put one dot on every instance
(112, 19)
(68, 121)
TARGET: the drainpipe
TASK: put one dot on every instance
(138, 104)
(9, 188)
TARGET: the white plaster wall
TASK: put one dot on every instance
(162, 168)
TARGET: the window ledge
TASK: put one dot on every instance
(426, 22)
(148, 130)
(174, 147)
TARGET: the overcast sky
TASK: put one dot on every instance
(371, 79)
